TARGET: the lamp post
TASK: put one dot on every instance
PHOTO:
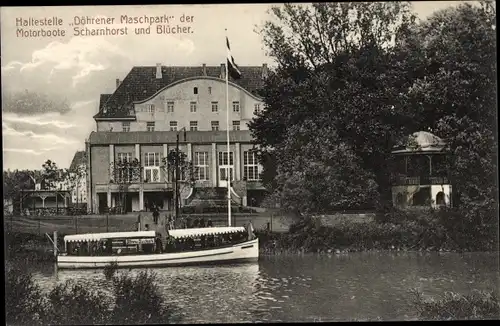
(177, 172)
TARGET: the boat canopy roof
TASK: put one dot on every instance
(109, 235)
(186, 233)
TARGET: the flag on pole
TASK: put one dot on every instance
(232, 68)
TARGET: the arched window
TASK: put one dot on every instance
(440, 201)
(422, 197)
(195, 90)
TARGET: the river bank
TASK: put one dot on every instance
(396, 231)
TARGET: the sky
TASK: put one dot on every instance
(71, 71)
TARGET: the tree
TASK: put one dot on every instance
(186, 170)
(455, 96)
(124, 173)
(338, 65)
(13, 184)
(75, 176)
(51, 175)
(321, 175)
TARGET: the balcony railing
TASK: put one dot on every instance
(422, 180)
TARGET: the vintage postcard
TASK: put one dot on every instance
(233, 163)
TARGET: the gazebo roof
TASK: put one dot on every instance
(422, 142)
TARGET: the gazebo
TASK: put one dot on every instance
(420, 177)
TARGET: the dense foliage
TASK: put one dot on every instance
(123, 300)
(452, 306)
(354, 79)
(427, 230)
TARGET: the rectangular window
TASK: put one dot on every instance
(215, 125)
(256, 108)
(152, 167)
(250, 166)
(201, 167)
(215, 106)
(192, 106)
(126, 126)
(150, 126)
(209, 90)
(193, 125)
(170, 107)
(150, 108)
(173, 125)
(123, 171)
(223, 158)
(236, 125)
(225, 164)
(236, 106)
(152, 159)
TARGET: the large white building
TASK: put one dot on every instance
(142, 119)
(78, 173)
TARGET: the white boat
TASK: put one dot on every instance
(137, 249)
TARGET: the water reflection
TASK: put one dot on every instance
(360, 286)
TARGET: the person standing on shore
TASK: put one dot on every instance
(250, 231)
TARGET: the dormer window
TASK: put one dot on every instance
(195, 90)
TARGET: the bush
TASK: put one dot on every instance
(138, 300)
(24, 304)
(476, 305)
(130, 300)
(72, 304)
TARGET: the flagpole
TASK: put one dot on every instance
(228, 148)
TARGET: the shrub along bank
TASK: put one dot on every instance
(443, 230)
(128, 300)
(453, 306)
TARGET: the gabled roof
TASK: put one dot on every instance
(78, 159)
(141, 83)
(104, 98)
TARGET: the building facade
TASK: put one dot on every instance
(78, 172)
(420, 177)
(141, 121)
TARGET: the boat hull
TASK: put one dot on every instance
(243, 252)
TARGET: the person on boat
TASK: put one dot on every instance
(188, 223)
(202, 222)
(159, 245)
(209, 223)
(250, 231)
(196, 223)
(146, 227)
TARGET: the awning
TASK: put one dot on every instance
(109, 235)
(186, 233)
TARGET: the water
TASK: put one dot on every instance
(357, 286)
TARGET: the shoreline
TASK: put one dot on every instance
(37, 248)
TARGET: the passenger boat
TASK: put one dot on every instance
(144, 249)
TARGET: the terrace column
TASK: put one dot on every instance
(189, 152)
(109, 198)
(430, 165)
(237, 161)
(138, 152)
(214, 165)
(43, 197)
(141, 198)
(111, 164)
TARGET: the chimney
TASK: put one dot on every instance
(158, 71)
(264, 70)
(204, 70)
(118, 82)
(223, 70)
